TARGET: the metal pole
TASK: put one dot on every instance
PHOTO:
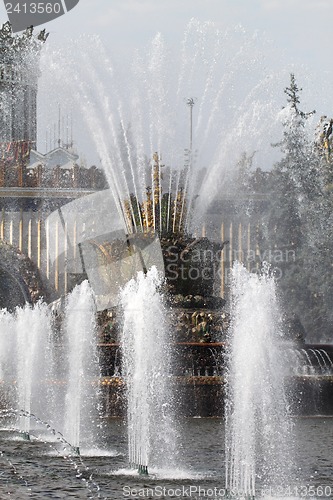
(190, 103)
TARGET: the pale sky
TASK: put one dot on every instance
(302, 27)
(298, 36)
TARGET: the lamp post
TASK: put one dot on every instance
(190, 102)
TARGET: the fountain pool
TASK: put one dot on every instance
(50, 476)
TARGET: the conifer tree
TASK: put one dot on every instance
(293, 182)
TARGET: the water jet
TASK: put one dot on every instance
(258, 424)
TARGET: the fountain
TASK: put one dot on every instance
(146, 121)
(32, 335)
(146, 370)
(50, 377)
(258, 426)
(26, 360)
(82, 394)
(142, 283)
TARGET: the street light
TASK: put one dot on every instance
(190, 102)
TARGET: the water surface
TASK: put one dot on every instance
(36, 470)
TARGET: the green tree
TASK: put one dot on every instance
(292, 186)
(299, 222)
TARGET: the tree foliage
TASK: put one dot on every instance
(299, 221)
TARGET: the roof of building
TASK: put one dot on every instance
(61, 157)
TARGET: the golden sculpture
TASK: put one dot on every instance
(159, 212)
